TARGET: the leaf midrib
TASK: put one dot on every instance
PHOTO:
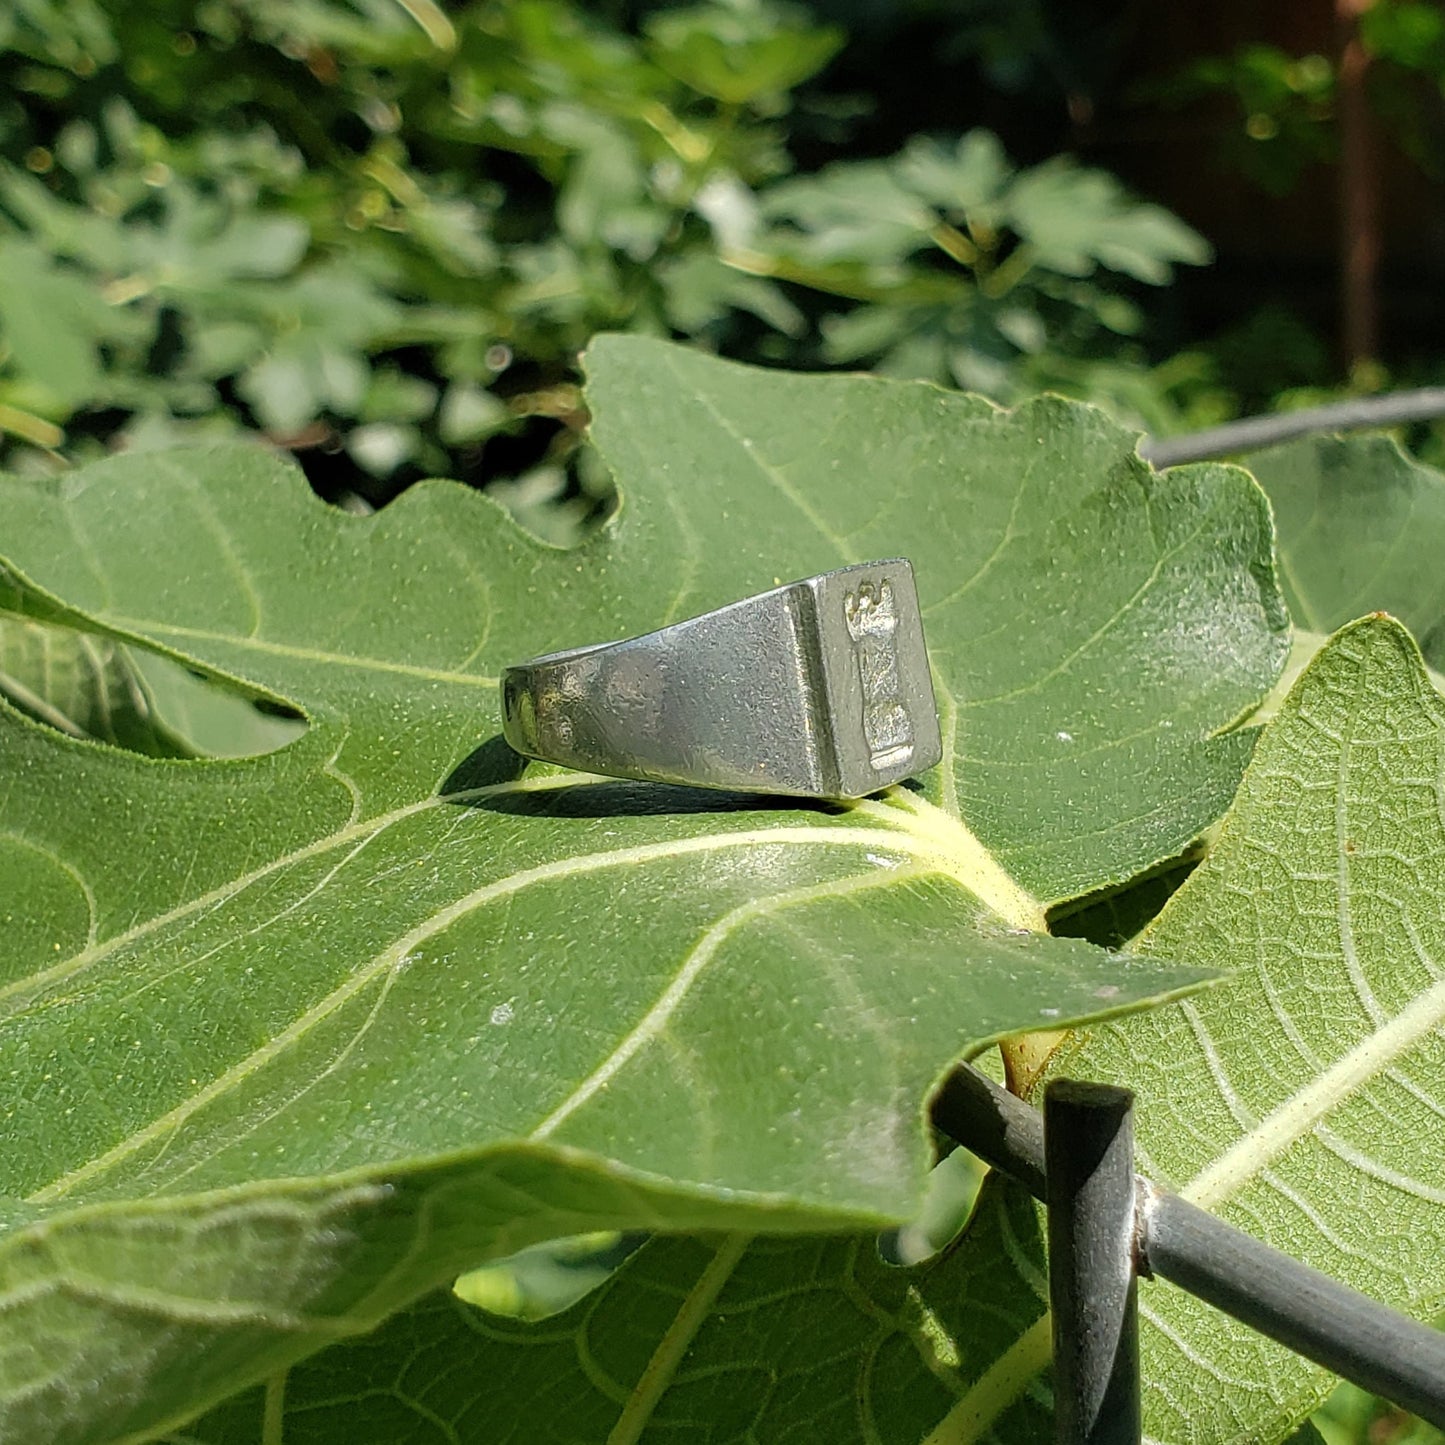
(365, 829)
(385, 965)
(143, 629)
(937, 833)
(696, 960)
(692, 1314)
(1297, 1115)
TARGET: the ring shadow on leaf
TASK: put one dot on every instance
(494, 762)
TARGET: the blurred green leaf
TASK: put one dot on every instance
(736, 53)
(51, 324)
(1408, 32)
(854, 211)
(1075, 220)
(1352, 1417)
(547, 1278)
(469, 413)
(970, 179)
(259, 210)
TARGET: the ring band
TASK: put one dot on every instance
(819, 688)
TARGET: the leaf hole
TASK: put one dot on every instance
(97, 689)
(949, 1200)
(545, 1279)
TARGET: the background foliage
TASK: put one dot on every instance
(379, 232)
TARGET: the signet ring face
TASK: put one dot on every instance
(819, 688)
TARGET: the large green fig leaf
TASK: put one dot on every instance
(1302, 1098)
(290, 1039)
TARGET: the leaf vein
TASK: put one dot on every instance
(1100, 632)
(651, 1024)
(773, 474)
(217, 897)
(658, 1374)
(1301, 1113)
(155, 629)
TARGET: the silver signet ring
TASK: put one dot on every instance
(820, 688)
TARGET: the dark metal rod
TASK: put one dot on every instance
(996, 1125)
(1421, 404)
(1375, 1347)
(1089, 1153)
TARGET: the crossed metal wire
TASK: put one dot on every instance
(1107, 1226)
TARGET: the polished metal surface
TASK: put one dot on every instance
(820, 688)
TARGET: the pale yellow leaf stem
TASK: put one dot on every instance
(997, 1388)
(656, 1378)
(273, 1421)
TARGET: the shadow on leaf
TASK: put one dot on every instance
(495, 763)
